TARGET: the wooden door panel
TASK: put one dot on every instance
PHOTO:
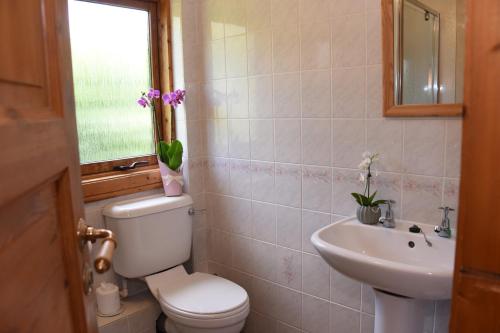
(23, 65)
(476, 284)
(41, 259)
(34, 251)
(34, 156)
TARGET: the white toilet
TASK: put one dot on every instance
(154, 239)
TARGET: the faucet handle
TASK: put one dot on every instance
(389, 203)
(446, 210)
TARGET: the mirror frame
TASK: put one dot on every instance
(389, 105)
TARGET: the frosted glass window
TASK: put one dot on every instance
(111, 58)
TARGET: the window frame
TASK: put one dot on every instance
(99, 180)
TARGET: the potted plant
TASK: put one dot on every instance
(368, 211)
(169, 154)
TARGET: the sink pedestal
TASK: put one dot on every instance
(396, 314)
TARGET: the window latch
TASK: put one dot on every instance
(130, 166)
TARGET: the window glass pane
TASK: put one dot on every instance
(111, 66)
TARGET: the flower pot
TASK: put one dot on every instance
(368, 215)
(172, 180)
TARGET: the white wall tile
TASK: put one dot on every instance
(453, 147)
(307, 73)
(239, 138)
(313, 10)
(288, 184)
(344, 183)
(317, 188)
(312, 221)
(237, 98)
(286, 94)
(213, 99)
(214, 59)
(386, 136)
(367, 323)
(346, 7)
(258, 14)
(316, 94)
(348, 142)
(315, 45)
(343, 320)
(284, 12)
(287, 140)
(217, 137)
(286, 50)
(374, 36)
(264, 265)
(316, 143)
(240, 178)
(288, 228)
(289, 306)
(374, 92)
(344, 290)
(349, 41)
(289, 268)
(264, 221)
(263, 181)
(236, 56)
(421, 199)
(315, 314)
(262, 139)
(234, 18)
(349, 92)
(424, 147)
(260, 92)
(315, 276)
(259, 45)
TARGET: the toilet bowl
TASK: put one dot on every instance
(199, 302)
(154, 235)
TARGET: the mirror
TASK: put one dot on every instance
(423, 46)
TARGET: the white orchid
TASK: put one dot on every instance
(366, 166)
(362, 177)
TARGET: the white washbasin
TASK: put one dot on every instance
(382, 257)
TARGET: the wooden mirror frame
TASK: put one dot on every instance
(408, 110)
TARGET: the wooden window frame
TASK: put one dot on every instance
(99, 181)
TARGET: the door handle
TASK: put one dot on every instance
(104, 257)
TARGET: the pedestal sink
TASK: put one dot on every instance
(405, 272)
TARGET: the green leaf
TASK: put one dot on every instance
(378, 202)
(370, 198)
(357, 198)
(361, 199)
(175, 155)
(163, 149)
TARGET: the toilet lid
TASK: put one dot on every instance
(203, 294)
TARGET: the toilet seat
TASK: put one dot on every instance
(203, 299)
(199, 299)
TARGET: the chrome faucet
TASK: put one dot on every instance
(388, 220)
(444, 230)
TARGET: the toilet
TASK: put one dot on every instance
(154, 240)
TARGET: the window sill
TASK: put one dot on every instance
(112, 184)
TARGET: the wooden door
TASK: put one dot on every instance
(476, 290)
(41, 262)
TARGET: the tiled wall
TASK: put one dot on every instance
(283, 98)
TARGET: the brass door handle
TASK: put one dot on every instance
(104, 256)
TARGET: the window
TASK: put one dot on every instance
(115, 56)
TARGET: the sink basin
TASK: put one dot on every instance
(402, 268)
(383, 258)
